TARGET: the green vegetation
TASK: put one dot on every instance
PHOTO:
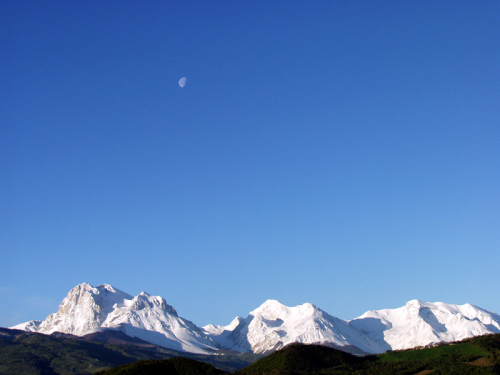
(480, 355)
(304, 359)
(171, 366)
(30, 353)
(33, 353)
(464, 352)
(40, 354)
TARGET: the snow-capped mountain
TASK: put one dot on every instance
(87, 309)
(273, 325)
(84, 310)
(31, 326)
(269, 327)
(422, 323)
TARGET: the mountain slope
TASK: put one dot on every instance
(84, 310)
(87, 309)
(31, 326)
(480, 355)
(151, 319)
(273, 325)
(24, 353)
(422, 323)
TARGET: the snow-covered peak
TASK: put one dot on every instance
(269, 327)
(421, 323)
(274, 325)
(145, 300)
(213, 329)
(274, 310)
(414, 304)
(83, 310)
(88, 309)
(217, 330)
(236, 321)
(31, 326)
(106, 287)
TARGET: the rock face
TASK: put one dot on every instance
(87, 309)
(271, 326)
(84, 310)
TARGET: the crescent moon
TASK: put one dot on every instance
(182, 82)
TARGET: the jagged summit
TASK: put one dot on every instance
(272, 325)
(145, 300)
(87, 309)
(84, 309)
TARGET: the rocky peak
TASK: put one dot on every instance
(145, 300)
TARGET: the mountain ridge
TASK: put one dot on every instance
(269, 327)
(87, 309)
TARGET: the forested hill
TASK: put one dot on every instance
(33, 353)
(479, 355)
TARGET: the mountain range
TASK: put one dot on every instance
(87, 309)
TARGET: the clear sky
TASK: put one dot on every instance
(343, 153)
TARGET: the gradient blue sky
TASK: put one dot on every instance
(343, 153)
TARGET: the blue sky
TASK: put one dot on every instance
(343, 153)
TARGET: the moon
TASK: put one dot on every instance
(182, 82)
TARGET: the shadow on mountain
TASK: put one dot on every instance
(431, 319)
(373, 328)
(239, 335)
(112, 336)
(492, 328)
(272, 323)
(153, 337)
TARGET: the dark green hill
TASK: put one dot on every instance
(304, 359)
(34, 353)
(480, 355)
(171, 366)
